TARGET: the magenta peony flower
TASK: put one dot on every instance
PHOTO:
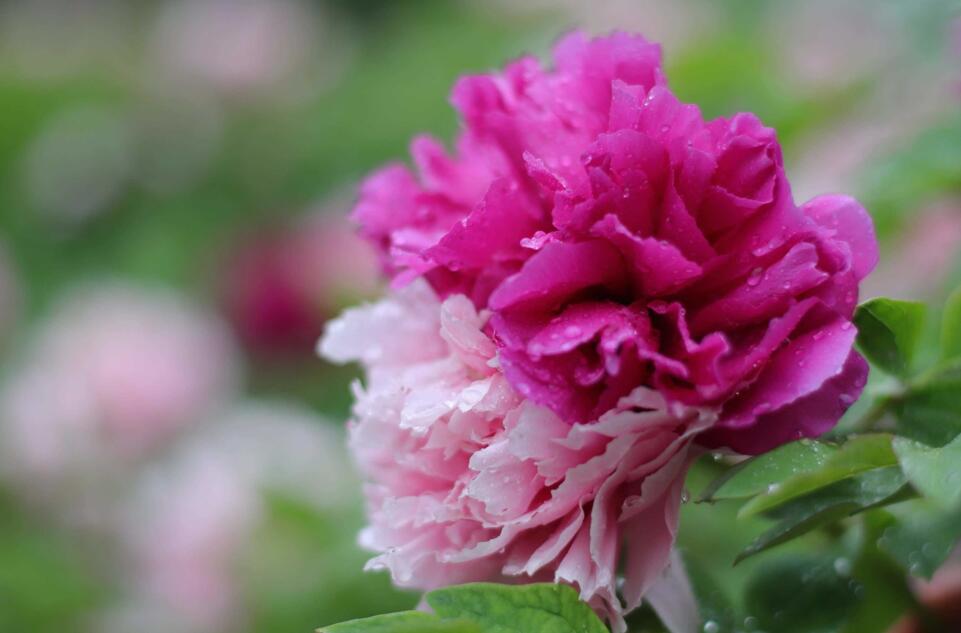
(606, 285)
(279, 289)
(621, 240)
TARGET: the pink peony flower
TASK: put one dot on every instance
(604, 284)
(195, 515)
(279, 289)
(110, 377)
(470, 481)
(621, 240)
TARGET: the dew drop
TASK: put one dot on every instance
(842, 567)
(711, 627)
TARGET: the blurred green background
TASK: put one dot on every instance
(197, 157)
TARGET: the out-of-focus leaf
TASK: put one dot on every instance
(800, 594)
(951, 327)
(717, 611)
(922, 538)
(931, 412)
(754, 476)
(935, 472)
(881, 585)
(517, 608)
(826, 505)
(889, 331)
(403, 622)
(857, 455)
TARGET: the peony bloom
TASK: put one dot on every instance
(470, 481)
(111, 376)
(279, 289)
(608, 283)
(194, 515)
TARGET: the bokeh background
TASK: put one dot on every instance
(174, 184)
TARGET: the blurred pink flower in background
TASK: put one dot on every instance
(113, 374)
(923, 257)
(244, 47)
(469, 481)
(189, 523)
(280, 287)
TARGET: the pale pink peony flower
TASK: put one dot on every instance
(111, 376)
(621, 240)
(192, 517)
(469, 481)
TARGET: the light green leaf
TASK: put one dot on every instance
(826, 505)
(889, 332)
(403, 622)
(754, 476)
(800, 594)
(951, 327)
(857, 455)
(538, 608)
(935, 472)
(922, 538)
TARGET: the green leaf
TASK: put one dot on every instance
(826, 505)
(889, 332)
(881, 583)
(713, 602)
(931, 412)
(754, 476)
(538, 608)
(951, 327)
(935, 472)
(922, 538)
(403, 622)
(800, 594)
(857, 455)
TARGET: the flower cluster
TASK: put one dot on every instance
(598, 284)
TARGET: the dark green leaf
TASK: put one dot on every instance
(539, 608)
(881, 584)
(800, 594)
(934, 472)
(826, 505)
(403, 622)
(857, 455)
(714, 604)
(951, 327)
(889, 331)
(931, 413)
(922, 538)
(756, 475)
